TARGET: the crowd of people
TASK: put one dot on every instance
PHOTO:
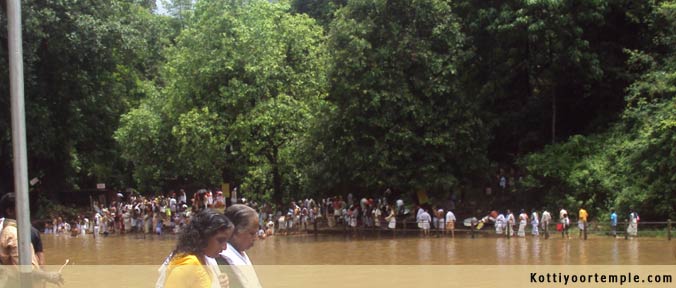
(169, 214)
(212, 236)
(137, 214)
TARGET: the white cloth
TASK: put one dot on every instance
(243, 267)
(392, 220)
(450, 217)
(546, 218)
(376, 216)
(500, 224)
(425, 220)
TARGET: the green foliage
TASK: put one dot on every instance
(201, 145)
(269, 135)
(240, 84)
(400, 117)
(631, 164)
(628, 166)
(413, 95)
(84, 62)
(144, 144)
(321, 10)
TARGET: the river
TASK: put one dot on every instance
(377, 250)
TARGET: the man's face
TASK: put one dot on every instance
(243, 240)
(10, 213)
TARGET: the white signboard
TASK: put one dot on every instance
(101, 186)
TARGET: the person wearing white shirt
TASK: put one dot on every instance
(424, 224)
(450, 222)
(544, 223)
(243, 238)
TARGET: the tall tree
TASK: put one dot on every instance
(629, 165)
(549, 69)
(230, 60)
(83, 60)
(400, 117)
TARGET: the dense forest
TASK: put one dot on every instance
(571, 102)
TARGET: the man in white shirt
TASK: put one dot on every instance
(546, 219)
(245, 220)
(450, 222)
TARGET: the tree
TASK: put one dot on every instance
(147, 143)
(629, 165)
(400, 116)
(269, 134)
(549, 69)
(231, 63)
(83, 62)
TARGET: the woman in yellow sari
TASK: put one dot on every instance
(201, 240)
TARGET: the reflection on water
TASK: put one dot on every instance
(374, 250)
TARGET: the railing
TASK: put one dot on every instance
(407, 226)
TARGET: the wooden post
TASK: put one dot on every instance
(509, 234)
(471, 227)
(668, 229)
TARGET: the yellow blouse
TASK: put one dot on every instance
(187, 271)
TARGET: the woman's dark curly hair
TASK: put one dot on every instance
(195, 236)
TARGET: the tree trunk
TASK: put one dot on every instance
(277, 194)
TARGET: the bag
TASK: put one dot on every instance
(559, 227)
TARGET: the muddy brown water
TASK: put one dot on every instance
(376, 250)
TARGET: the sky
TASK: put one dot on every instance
(160, 7)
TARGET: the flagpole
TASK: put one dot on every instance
(19, 137)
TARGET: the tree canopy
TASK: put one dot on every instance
(572, 100)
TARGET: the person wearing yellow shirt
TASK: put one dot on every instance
(206, 235)
(582, 220)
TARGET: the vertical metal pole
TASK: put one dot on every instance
(19, 138)
(668, 229)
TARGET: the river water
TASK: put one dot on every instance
(376, 250)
